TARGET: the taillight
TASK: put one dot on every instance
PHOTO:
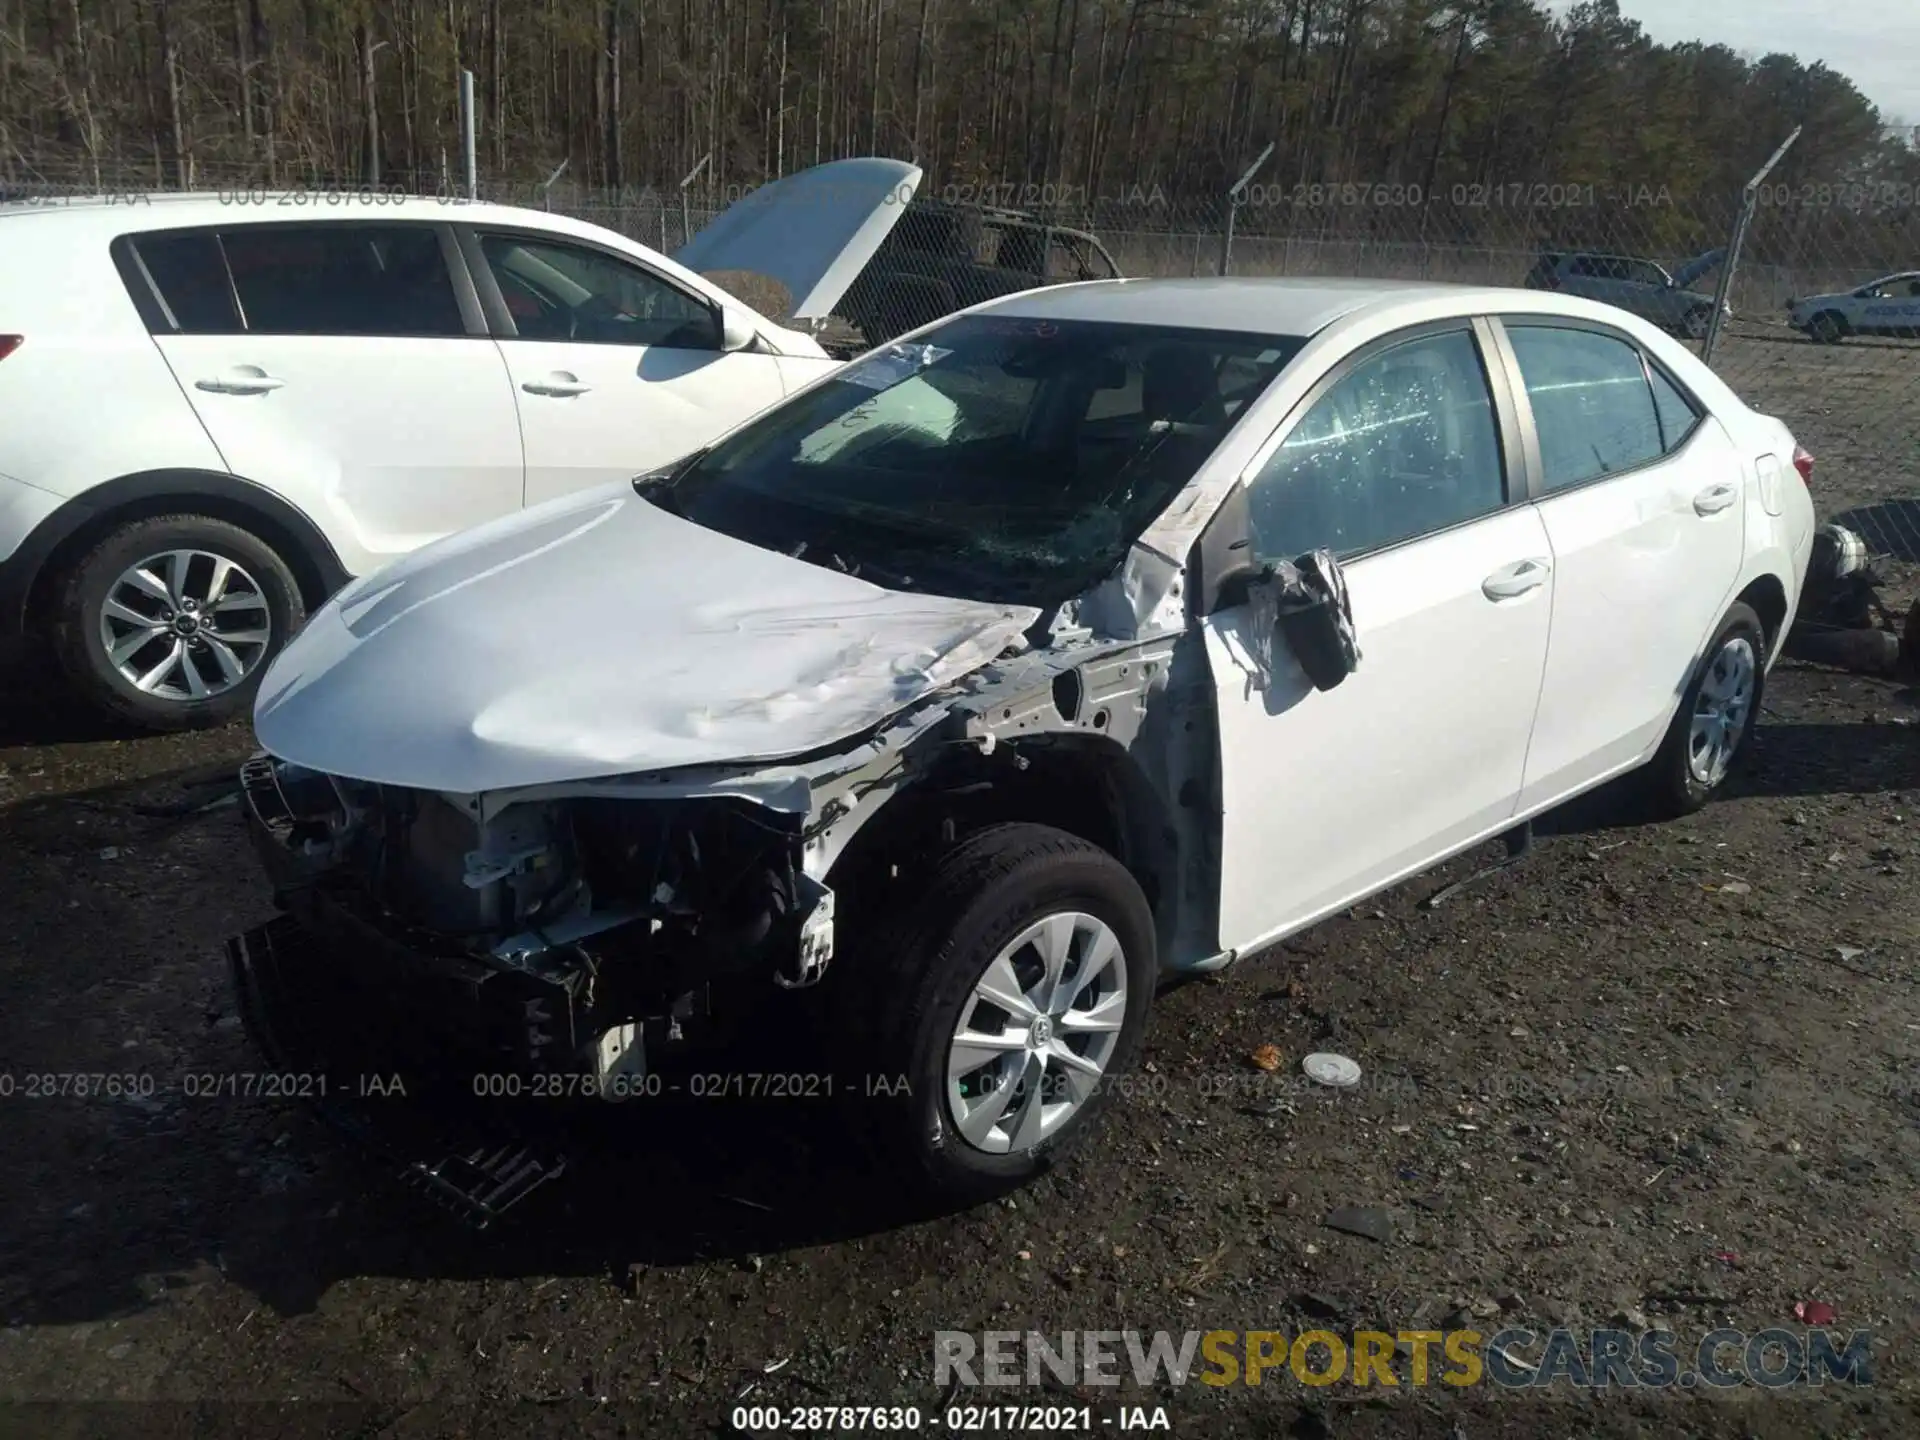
(1803, 462)
(10, 343)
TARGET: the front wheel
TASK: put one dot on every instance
(1715, 720)
(1826, 328)
(1695, 324)
(1011, 996)
(170, 622)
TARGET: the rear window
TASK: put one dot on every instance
(192, 280)
(1591, 402)
(342, 280)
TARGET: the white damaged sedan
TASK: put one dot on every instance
(1094, 634)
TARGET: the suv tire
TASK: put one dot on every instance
(214, 603)
(1724, 698)
(915, 987)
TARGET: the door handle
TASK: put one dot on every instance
(1714, 499)
(1516, 579)
(241, 380)
(558, 383)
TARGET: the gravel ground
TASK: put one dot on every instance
(1652, 1077)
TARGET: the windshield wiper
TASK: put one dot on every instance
(859, 569)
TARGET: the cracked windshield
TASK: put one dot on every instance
(1010, 460)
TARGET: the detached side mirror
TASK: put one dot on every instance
(738, 330)
(1311, 627)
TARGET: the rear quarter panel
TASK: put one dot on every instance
(87, 396)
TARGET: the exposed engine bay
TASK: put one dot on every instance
(569, 936)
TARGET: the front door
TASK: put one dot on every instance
(615, 368)
(1397, 468)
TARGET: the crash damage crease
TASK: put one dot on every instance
(578, 915)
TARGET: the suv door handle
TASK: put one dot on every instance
(557, 383)
(1516, 579)
(240, 380)
(1714, 499)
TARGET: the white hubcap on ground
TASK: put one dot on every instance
(1037, 1033)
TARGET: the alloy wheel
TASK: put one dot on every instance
(185, 625)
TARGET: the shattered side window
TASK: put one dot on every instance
(997, 458)
(1403, 445)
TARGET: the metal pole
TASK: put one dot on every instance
(686, 221)
(546, 190)
(1235, 197)
(469, 150)
(373, 113)
(1748, 198)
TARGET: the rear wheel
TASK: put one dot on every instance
(170, 622)
(1715, 720)
(1010, 995)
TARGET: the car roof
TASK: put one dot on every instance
(92, 216)
(1269, 306)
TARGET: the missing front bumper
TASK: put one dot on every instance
(399, 1102)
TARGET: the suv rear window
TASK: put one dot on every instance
(192, 281)
(331, 279)
(338, 279)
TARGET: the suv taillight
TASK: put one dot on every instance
(10, 343)
(1803, 462)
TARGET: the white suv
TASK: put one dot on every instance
(218, 412)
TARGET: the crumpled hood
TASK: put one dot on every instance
(598, 635)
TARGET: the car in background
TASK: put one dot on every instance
(1887, 306)
(928, 719)
(218, 412)
(943, 257)
(1640, 287)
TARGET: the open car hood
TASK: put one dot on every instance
(1693, 269)
(599, 635)
(811, 233)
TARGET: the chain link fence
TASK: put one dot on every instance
(1808, 336)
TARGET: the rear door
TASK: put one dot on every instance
(1642, 496)
(334, 362)
(616, 367)
(1397, 464)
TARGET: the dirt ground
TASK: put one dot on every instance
(1651, 1076)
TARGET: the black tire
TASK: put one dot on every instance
(1829, 327)
(908, 978)
(1674, 788)
(1696, 323)
(83, 590)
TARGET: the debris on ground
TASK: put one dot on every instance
(1367, 1221)
(1814, 1312)
(1841, 620)
(1329, 1069)
(1267, 1057)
